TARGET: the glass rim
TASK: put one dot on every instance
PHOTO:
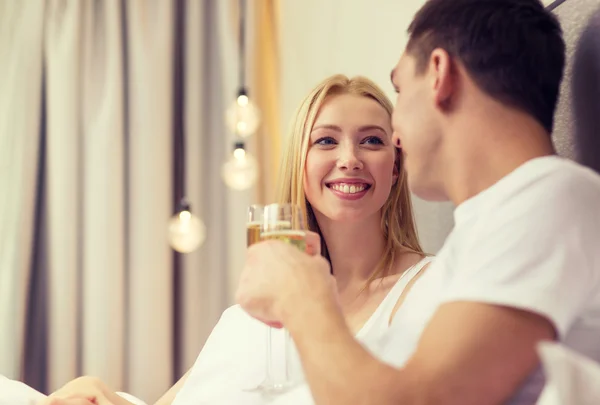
(287, 213)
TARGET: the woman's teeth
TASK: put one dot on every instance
(348, 188)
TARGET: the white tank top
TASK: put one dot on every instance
(373, 331)
(233, 358)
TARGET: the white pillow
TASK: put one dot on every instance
(571, 379)
(16, 393)
(131, 398)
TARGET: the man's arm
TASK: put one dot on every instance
(470, 353)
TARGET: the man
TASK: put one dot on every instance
(477, 89)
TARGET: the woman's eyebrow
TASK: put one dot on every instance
(371, 127)
(327, 126)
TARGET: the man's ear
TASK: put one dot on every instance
(443, 81)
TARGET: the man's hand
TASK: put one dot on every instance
(280, 284)
(313, 243)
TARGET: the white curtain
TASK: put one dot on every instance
(63, 176)
(149, 302)
(103, 194)
(104, 302)
(20, 83)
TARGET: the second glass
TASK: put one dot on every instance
(253, 224)
(283, 222)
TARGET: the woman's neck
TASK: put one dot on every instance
(355, 249)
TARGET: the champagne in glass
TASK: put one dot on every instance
(252, 233)
(255, 219)
(291, 236)
(283, 222)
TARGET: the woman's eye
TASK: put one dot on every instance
(325, 141)
(373, 140)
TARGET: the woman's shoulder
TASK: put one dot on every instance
(424, 260)
(413, 261)
(233, 311)
(233, 323)
(236, 315)
(411, 264)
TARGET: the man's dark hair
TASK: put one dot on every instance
(512, 49)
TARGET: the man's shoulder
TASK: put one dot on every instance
(573, 174)
(554, 184)
(547, 202)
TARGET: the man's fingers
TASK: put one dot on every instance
(276, 325)
(313, 243)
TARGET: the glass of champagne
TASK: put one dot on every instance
(255, 219)
(283, 222)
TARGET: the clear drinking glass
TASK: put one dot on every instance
(255, 219)
(282, 222)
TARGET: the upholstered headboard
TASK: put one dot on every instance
(577, 120)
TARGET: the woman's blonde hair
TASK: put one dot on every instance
(397, 219)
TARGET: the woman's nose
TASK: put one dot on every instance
(349, 160)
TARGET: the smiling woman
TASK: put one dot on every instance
(341, 138)
(341, 168)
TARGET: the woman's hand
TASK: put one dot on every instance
(66, 401)
(84, 391)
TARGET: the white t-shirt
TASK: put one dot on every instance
(531, 241)
(233, 359)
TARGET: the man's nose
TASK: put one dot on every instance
(396, 140)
